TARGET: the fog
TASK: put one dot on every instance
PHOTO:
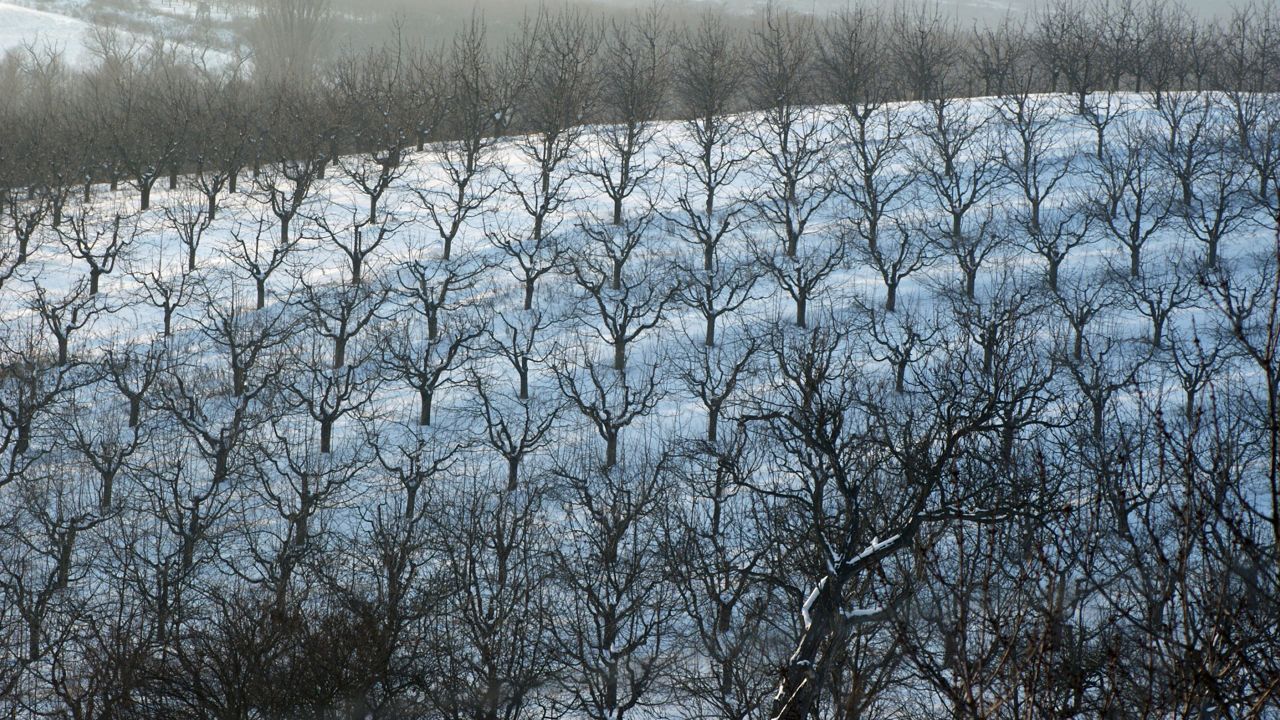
(365, 22)
(229, 25)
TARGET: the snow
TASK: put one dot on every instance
(809, 601)
(44, 31)
(677, 415)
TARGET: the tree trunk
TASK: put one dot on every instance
(611, 449)
(424, 406)
(135, 410)
(619, 354)
(340, 351)
(710, 340)
(104, 497)
(799, 688)
(1098, 407)
(326, 435)
(524, 378)
(802, 306)
(513, 472)
(528, 293)
(261, 286)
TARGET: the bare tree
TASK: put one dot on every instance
(519, 337)
(1134, 201)
(481, 89)
(133, 371)
(66, 313)
(259, 256)
(900, 339)
(804, 276)
(368, 92)
(708, 75)
(715, 376)
(340, 313)
(1081, 299)
(623, 313)
(428, 362)
(494, 630)
(357, 240)
(515, 428)
(718, 292)
(1064, 40)
(189, 219)
(616, 632)
(634, 74)
(848, 506)
(954, 169)
(609, 400)
(795, 177)
(925, 48)
(716, 555)
(1218, 194)
(561, 90)
(98, 243)
(1158, 293)
(1051, 220)
(163, 287)
(1248, 306)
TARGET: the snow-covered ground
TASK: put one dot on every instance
(310, 287)
(130, 320)
(69, 30)
(43, 31)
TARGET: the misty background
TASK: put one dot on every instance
(230, 26)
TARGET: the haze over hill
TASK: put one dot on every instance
(226, 25)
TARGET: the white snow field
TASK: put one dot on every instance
(43, 31)
(307, 298)
(129, 319)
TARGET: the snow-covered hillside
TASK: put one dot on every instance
(43, 31)
(70, 31)
(823, 377)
